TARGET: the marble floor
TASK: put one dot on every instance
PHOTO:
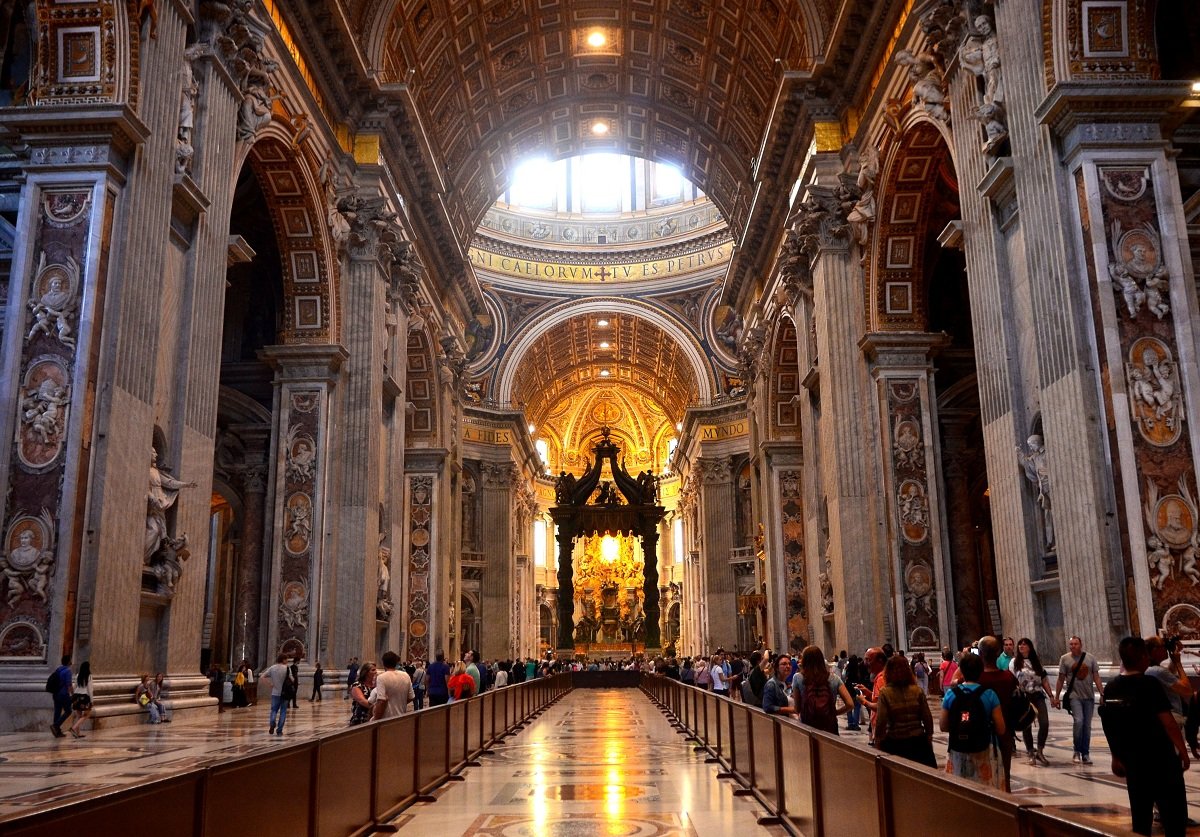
(602, 761)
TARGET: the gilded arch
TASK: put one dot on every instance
(308, 263)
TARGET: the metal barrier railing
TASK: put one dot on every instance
(813, 782)
(350, 782)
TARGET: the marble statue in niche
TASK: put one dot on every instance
(383, 598)
(26, 565)
(826, 581)
(1138, 274)
(53, 300)
(164, 491)
(1033, 461)
(163, 553)
(188, 96)
(929, 86)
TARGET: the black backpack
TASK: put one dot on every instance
(53, 682)
(970, 726)
(1021, 713)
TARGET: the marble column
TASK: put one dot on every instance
(495, 511)
(902, 365)
(303, 447)
(566, 590)
(353, 573)
(717, 503)
(247, 611)
(855, 575)
(650, 588)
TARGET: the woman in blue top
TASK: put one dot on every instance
(776, 700)
(974, 751)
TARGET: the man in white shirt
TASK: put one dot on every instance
(277, 675)
(393, 689)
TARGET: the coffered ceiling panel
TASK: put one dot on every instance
(690, 82)
(570, 356)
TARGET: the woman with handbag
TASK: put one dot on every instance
(360, 694)
(81, 699)
(1035, 683)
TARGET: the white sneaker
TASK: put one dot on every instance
(1075, 758)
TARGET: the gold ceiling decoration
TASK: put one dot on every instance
(569, 358)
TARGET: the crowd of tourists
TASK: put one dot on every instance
(983, 697)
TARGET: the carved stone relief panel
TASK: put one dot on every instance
(1160, 464)
(792, 521)
(910, 485)
(300, 481)
(420, 537)
(43, 402)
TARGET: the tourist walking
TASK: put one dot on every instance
(1032, 680)
(856, 678)
(251, 688)
(294, 691)
(921, 671)
(81, 699)
(59, 686)
(875, 659)
(393, 688)
(904, 724)
(1147, 746)
(279, 676)
(1004, 683)
(436, 678)
(947, 669)
(815, 692)
(360, 694)
(216, 685)
(418, 682)
(1007, 655)
(471, 661)
(776, 698)
(1078, 680)
(973, 717)
(239, 687)
(318, 682)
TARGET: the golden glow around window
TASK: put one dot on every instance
(596, 39)
(604, 344)
(602, 323)
(610, 548)
(599, 127)
(604, 373)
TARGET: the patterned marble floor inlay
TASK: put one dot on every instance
(598, 762)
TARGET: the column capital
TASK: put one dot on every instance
(713, 471)
(74, 137)
(909, 351)
(821, 220)
(371, 232)
(1085, 115)
(305, 363)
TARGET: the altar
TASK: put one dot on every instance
(608, 596)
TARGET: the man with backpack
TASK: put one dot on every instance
(815, 692)
(280, 679)
(1148, 749)
(972, 715)
(1004, 683)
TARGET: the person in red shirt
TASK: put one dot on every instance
(1003, 683)
(876, 661)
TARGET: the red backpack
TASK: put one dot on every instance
(817, 706)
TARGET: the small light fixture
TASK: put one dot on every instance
(602, 323)
(679, 425)
(600, 127)
(596, 39)
(604, 373)
(532, 428)
(604, 344)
